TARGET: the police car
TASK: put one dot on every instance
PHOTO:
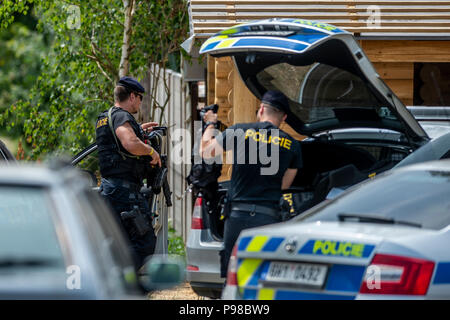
(385, 238)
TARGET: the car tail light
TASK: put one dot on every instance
(197, 220)
(192, 268)
(397, 275)
(232, 268)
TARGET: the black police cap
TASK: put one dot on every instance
(276, 99)
(131, 84)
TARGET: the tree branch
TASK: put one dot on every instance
(99, 65)
(125, 57)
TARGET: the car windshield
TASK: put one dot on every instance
(420, 197)
(320, 92)
(27, 232)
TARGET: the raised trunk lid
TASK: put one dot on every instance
(325, 74)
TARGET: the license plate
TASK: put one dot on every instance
(297, 273)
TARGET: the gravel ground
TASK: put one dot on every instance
(181, 292)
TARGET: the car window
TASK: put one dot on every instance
(317, 92)
(415, 196)
(27, 231)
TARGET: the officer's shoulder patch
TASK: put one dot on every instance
(102, 122)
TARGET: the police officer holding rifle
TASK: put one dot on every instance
(255, 188)
(123, 159)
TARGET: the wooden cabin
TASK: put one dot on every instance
(407, 41)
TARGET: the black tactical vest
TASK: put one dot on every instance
(112, 163)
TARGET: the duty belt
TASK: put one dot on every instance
(124, 183)
(254, 208)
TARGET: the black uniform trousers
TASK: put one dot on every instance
(234, 224)
(123, 196)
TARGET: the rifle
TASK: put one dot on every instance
(204, 110)
(157, 176)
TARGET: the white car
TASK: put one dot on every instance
(386, 238)
(59, 240)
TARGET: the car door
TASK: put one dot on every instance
(87, 161)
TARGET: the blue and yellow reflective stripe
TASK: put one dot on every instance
(345, 278)
(212, 42)
(226, 43)
(222, 40)
(343, 282)
(318, 25)
(273, 294)
(260, 244)
(314, 25)
(442, 275)
(258, 294)
(266, 294)
(257, 243)
(214, 39)
(249, 294)
(243, 243)
(273, 244)
(247, 269)
(258, 42)
(297, 295)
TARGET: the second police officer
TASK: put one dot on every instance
(123, 156)
(253, 197)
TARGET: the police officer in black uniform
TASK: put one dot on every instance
(123, 156)
(254, 197)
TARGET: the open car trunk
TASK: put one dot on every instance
(328, 79)
(327, 164)
(331, 85)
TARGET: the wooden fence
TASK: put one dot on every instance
(177, 116)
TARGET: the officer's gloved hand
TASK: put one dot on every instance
(210, 116)
(156, 159)
(148, 126)
(285, 209)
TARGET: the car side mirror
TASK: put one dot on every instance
(163, 272)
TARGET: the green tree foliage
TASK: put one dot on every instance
(21, 51)
(82, 65)
(10, 8)
(176, 244)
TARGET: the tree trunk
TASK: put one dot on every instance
(126, 47)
